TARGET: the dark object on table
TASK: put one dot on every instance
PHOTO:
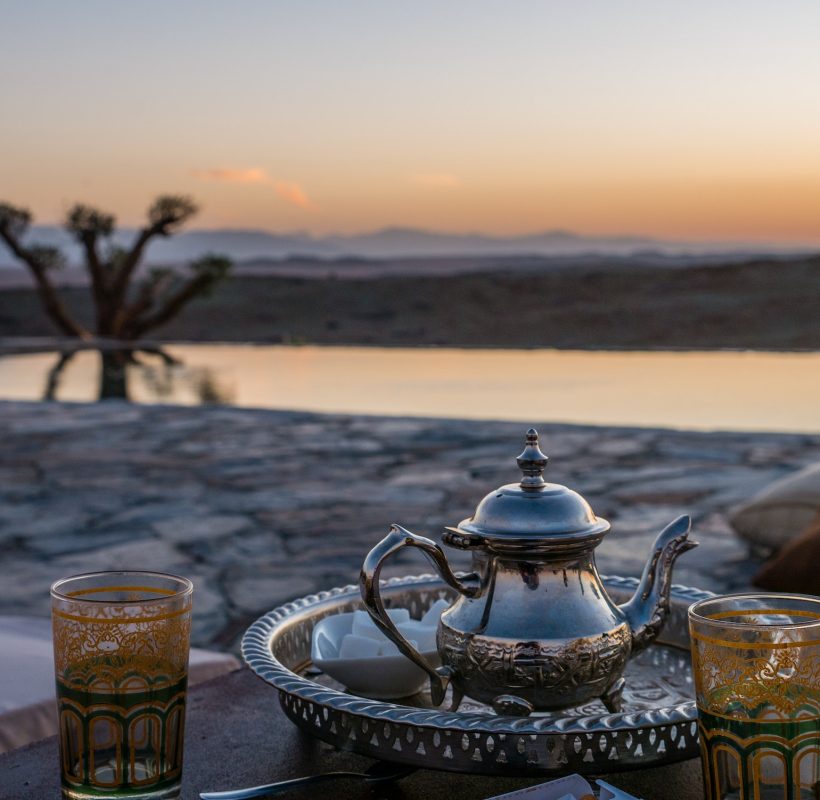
(796, 566)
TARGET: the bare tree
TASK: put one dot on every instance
(126, 308)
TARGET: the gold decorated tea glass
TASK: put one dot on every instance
(756, 662)
(121, 642)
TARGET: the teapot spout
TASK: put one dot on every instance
(648, 609)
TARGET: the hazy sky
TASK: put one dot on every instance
(692, 119)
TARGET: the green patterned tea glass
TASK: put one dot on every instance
(121, 642)
(756, 662)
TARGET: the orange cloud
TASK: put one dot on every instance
(438, 180)
(293, 193)
(249, 175)
(289, 191)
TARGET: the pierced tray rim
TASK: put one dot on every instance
(257, 654)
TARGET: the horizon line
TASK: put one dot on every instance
(648, 238)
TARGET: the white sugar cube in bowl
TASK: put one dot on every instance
(363, 625)
(352, 650)
(359, 647)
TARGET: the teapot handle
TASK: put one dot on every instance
(395, 540)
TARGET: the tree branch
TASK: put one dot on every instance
(87, 225)
(165, 216)
(172, 306)
(55, 373)
(149, 291)
(111, 274)
(48, 294)
(99, 282)
(130, 261)
(208, 271)
(167, 358)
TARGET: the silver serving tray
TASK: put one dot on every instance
(657, 726)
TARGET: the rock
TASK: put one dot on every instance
(210, 610)
(28, 590)
(619, 447)
(146, 553)
(77, 541)
(252, 546)
(259, 591)
(420, 476)
(692, 486)
(699, 452)
(185, 529)
(143, 515)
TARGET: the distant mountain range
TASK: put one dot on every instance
(253, 245)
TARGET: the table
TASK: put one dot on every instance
(237, 735)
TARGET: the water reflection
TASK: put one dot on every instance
(704, 390)
(160, 375)
(55, 373)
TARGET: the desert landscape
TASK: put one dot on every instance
(762, 303)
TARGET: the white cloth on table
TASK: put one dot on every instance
(28, 709)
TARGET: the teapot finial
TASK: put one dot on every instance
(532, 462)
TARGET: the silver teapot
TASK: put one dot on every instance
(532, 627)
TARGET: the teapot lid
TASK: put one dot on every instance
(530, 512)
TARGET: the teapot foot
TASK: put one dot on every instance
(455, 700)
(613, 696)
(509, 705)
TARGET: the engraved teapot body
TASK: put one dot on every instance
(532, 626)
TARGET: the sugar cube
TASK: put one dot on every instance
(387, 648)
(432, 615)
(363, 625)
(358, 647)
(425, 635)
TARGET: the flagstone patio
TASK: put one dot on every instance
(259, 507)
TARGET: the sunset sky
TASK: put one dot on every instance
(687, 120)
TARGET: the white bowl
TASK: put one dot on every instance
(350, 649)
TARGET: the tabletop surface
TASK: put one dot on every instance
(237, 735)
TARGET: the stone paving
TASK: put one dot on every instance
(259, 507)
